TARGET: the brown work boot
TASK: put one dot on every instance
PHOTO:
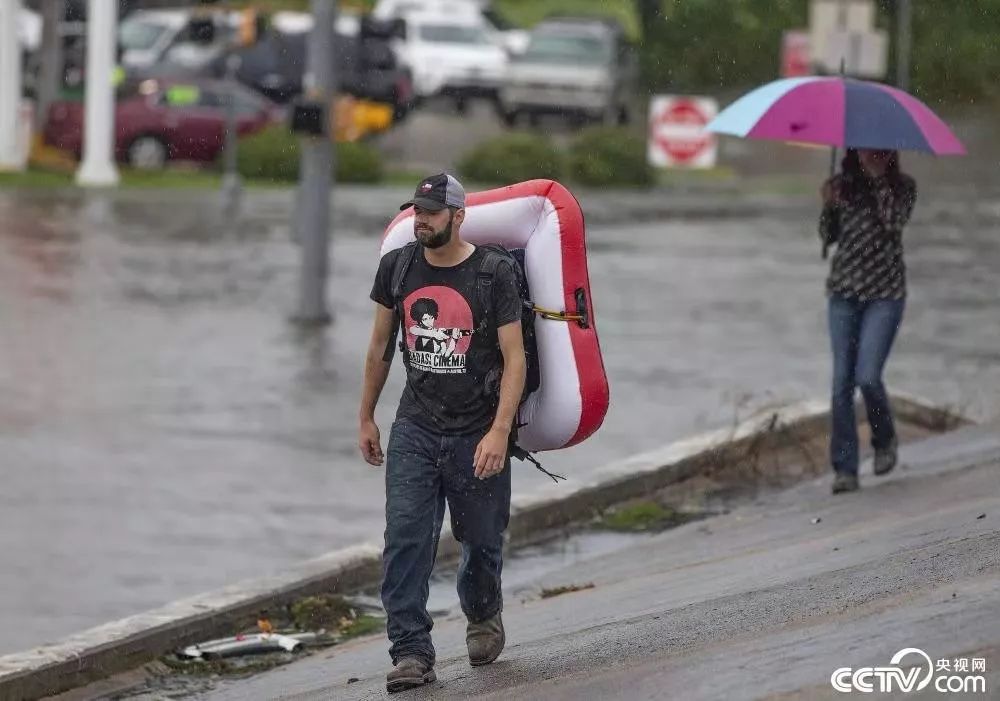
(845, 482)
(485, 640)
(408, 673)
(885, 459)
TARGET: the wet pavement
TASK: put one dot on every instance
(166, 431)
(762, 603)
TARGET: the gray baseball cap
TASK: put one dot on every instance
(438, 192)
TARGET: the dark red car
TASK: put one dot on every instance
(160, 120)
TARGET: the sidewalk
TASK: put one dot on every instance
(765, 602)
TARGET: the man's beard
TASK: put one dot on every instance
(435, 239)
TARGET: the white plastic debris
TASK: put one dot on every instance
(241, 645)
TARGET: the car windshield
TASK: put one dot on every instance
(567, 48)
(452, 34)
(139, 35)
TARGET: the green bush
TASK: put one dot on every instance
(609, 156)
(358, 162)
(512, 158)
(273, 154)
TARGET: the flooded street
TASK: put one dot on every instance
(166, 431)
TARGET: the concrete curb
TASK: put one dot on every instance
(133, 641)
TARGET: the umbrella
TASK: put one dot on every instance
(837, 111)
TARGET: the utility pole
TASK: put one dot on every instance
(316, 174)
(10, 84)
(231, 183)
(853, 48)
(904, 41)
(98, 168)
(50, 72)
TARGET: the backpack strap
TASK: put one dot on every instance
(520, 453)
(484, 283)
(401, 267)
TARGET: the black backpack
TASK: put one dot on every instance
(495, 255)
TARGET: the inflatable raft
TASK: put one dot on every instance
(545, 220)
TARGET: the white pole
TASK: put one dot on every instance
(10, 84)
(98, 167)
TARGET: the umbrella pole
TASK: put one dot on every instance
(833, 159)
(833, 151)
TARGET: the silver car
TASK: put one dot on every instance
(582, 69)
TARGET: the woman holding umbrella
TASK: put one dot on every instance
(865, 210)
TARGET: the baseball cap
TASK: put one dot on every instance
(437, 192)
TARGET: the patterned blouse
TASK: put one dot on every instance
(868, 230)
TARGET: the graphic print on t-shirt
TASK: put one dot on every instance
(439, 329)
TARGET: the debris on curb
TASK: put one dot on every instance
(559, 591)
(312, 622)
(240, 645)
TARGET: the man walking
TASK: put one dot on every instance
(450, 439)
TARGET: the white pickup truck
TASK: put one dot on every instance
(581, 69)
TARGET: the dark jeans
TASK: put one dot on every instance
(423, 469)
(861, 335)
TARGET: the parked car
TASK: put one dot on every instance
(583, 69)
(146, 36)
(366, 64)
(453, 57)
(368, 67)
(161, 120)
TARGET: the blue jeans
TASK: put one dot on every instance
(861, 335)
(423, 470)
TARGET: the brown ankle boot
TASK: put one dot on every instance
(485, 640)
(408, 673)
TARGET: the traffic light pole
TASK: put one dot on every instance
(50, 73)
(316, 175)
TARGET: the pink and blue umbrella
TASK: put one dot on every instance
(837, 111)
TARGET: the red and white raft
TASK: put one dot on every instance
(543, 218)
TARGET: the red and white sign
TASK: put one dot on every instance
(677, 136)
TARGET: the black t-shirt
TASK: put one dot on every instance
(450, 355)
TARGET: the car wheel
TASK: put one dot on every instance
(147, 153)
(461, 105)
(534, 118)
